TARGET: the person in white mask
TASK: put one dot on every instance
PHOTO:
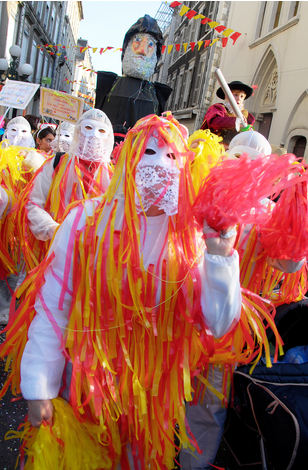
(250, 142)
(152, 292)
(18, 132)
(84, 172)
(64, 137)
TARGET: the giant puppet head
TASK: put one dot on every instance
(64, 137)
(18, 132)
(93, 137)
(142, 48)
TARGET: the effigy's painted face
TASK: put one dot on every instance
(157, 178)
(140, 57)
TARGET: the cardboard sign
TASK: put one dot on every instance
(60, 106)
(16, 94)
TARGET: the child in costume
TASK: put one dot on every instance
(129, 295)
(44, 138)
(258, 273)
(220, 116)
(81, 173)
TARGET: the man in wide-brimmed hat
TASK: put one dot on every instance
(220, 116)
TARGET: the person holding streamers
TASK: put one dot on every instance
(84, 172)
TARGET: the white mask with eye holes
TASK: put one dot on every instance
(64, 139)
(19, 134)
(93, 141)
(157, 179)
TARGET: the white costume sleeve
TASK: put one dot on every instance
(42, 361)
(39, 220)
(4, 201)
(221, 295)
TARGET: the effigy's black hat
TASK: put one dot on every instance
(236, 85)
(145, 24)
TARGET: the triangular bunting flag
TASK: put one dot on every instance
(224, 41)
(234, 37)
(192, 45)
(220, 28)
(174, 4)
(94, 49)
(199, 45)
(170, 48)
(198, 17)
(184, 10)
(178, 47)
(185, 44)
(213, 24)
(207, 43)
(215, 40)
(163, 49)
(227, 32)
(190, 14)
(205, 20)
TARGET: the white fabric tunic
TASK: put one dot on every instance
(43, 362)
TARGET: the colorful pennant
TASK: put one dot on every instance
(185, 10)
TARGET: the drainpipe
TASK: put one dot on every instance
(21, 24)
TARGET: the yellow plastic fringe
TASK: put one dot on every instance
(67, 444)
(207, 154)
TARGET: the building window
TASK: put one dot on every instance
(300, 147)
(46, 14)
(55, 36)
(39, 70)
(293, 9)
(33, 54)
(39, 9)
(262, 15)
(197, 86)
(265, 124)
(277, 15)
(25, 43)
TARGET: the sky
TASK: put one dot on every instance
(105, 24)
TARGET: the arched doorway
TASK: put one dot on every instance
(300, 147)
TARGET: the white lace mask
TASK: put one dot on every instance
(18, 134)
(93, 141)
(157, 179)
(64, 140)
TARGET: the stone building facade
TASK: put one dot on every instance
(33, 24)
(272, 55)
(191, 73)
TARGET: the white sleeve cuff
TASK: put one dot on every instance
(221, 293)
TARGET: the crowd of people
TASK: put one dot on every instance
(144, 278)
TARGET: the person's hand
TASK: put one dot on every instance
(39, 411)
(221, 245)
(195, 143)
(51, 231)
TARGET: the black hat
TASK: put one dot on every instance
(148, 25)
(236, 85)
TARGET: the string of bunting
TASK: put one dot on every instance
(226, 32)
